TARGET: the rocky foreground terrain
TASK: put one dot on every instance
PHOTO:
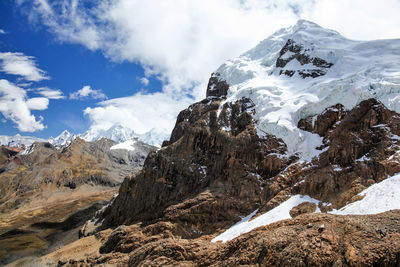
(253, 177)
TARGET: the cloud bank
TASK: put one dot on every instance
(182, 41)
(134, 112)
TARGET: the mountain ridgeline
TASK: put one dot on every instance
(304, 116)
(293, 140)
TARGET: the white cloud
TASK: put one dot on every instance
(50, 93)
(182, 41)
(87, 92)
(141, 112)
(2, 31)
(358, 19)
(144, 81)
(16, 106)
(37, 103)
(21, 65)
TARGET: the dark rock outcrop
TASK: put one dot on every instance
(217, 87)
(292, 51)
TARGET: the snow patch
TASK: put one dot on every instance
(379, 197)
(128, 145)
(278, 213)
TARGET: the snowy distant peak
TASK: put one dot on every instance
(154, 137)
(64, 139)
(117, 132)
(120, 134)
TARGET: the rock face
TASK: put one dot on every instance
(358, 144)
(213, 167)
(217, 87)
(6, 153)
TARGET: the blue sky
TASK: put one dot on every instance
(70, 67)
(138, 63)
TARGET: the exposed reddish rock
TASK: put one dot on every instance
(308, 240)
(359, 143)
(305, 207)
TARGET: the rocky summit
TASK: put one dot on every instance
(292, 159)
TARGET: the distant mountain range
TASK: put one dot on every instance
(19, 140)
(117, 133)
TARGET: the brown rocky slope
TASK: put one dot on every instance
(307, 240)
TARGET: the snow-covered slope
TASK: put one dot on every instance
(19, 140)
(379, 197)
(127, 145)
(301, 70)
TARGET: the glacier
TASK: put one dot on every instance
(357, 70)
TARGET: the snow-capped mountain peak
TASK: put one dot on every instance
(117, 132)
(64, 139)
(301, 70)
(121, 133)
